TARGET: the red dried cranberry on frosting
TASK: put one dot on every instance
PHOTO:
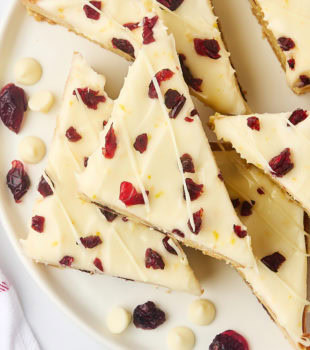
(178, 233)
(131, 26)
(229, 340)
(168, 247)
(239, 232)
(108, 214)
(273, 261)
(260, 191)
(13, 104)
(153, 260)
(72, 135)
(90, 98)
(174, 101)
(286, 44)
(297, 116)
(207, 47)
(172, 5)
(148, 25)
(91, 241)
(194, 83)
(66, 260)
(253, 123)
(129, 195)
(194, 190)
(110, 144)
(140, 144)
(235, 202)
(148, 316)
(98, 263)
(187, 163)
(162, 75)
(197, 217)
(37, 223)
(291, 63)
(17, 180)
(90, 12)
(305, 80)
(282, 163)
(124, 45)
(246, 209)
(44, 188)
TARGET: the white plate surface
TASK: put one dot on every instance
(85, 298)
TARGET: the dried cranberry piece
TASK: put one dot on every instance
(44, 188)
(194, 190)
(108, 214)
(235, 202)
(305, 80)
(286, 44)
(172, 5)
(104, 123)
(37, 223)
(239, 232)
(281, 164)
(124, 45)
(140, 144)
(18, 180)
(229, 340)
(148, 25)
(220, 176)
(110, 144)
(98, 263)
(153, 260)
(197, 222)
(13, 104)
(253, 123)
(188, 119)
(273, 261)
(148, 316)
(246, 209)
(194, 112)
(124, 219)
(131, 26)
(178, 233)
(297, 116)
(168, 246)
(174, 101)
(260, 191)
(291, 63)
(194, 83)
(90, 241)
(187, 163)
(72, 135)
(66, 260)
(90, 98)
(207, 47)
(162, 75)
(129, 195)
(85, 162)
(92, 13)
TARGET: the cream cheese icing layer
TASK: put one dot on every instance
(275, 225)
(193, 19)
(68, 218)
(290, 19)
(158, 170)
(277, 134)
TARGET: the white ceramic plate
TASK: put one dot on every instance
(85, 298)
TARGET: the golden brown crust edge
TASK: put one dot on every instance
(258, 13)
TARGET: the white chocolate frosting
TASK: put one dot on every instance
(31, 149)
(275, 225)
(41, 101)
(259, 147)
(159, 170)
(118, 320)
(28, 71)
(201, 312)
(67, 218)
(181, 338)
(291, 19)
(192, 19)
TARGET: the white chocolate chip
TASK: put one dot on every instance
(118, 320)
(41, 101)
(31, 149)
(181, 338)
(28, 71)
(201, 312)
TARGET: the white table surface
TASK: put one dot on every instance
(53, 329)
